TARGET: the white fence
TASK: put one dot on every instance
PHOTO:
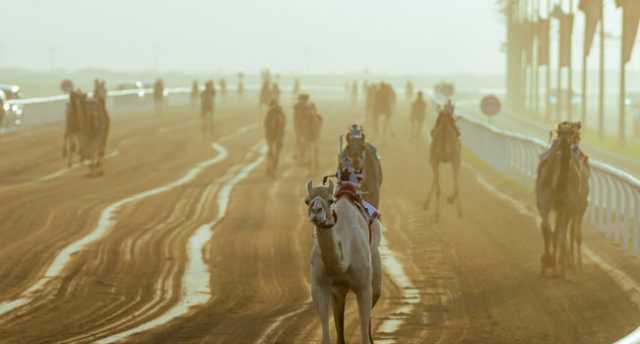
(43, 110)
(614, 201)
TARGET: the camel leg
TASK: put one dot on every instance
(562, 243)
(364, 309)
(376, 285)
(276, 156)
(434, 182)
(338, 303)
(546, 235)
(455, 197)
(555, 244)
(64, 148)
(578, 238)
(269, 158)
(68, 154)
(438, 191)
(321, 299)
(571, 227)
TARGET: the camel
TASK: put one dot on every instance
(299, 114)
(195, 94)
(308, 128)
(384, 102)
(265, 93)
(87, 130)
(312, 135)
(207, 105)
(365, 158)
(274, 126)
(420, 111)
(158, 96)
(74, 135)
(345, 257)
(562, 187)
(97, 128)
(445, 148)
(100, 89)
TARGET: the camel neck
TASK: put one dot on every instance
(333, 242)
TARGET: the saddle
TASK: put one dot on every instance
(368, 211)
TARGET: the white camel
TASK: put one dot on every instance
(345, 258)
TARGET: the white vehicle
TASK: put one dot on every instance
(136, 85)
(12, 112)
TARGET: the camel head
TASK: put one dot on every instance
(319, 200)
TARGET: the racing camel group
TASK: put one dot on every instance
(307, 124)
(87, 128)
(347, 229)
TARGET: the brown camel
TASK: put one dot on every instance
(87, 130)
(307, 124)
(562, 187)
(274, 128)
(445, 148)
(74, 135)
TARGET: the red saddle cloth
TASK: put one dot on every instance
(368, 212)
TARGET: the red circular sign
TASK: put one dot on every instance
(490, 105)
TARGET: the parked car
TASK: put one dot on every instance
(135, 85)
(11, 92)
(12, 114)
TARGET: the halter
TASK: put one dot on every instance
(318, 200)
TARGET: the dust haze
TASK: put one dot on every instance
(338, 171)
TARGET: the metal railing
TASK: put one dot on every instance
(614, 200)
(41, 110)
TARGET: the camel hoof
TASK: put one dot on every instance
(546, 261)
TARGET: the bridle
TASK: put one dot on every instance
(319, 202)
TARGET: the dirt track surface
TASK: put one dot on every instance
(469, 280)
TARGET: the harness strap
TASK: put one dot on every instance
(326, 226)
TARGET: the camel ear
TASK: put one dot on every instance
(309, 186)
(331, 187)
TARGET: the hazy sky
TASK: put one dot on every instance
(423, 36)
(427, 36)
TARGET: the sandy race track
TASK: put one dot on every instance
(186, 240)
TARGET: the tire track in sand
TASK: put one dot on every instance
(195, 281)
(106, 221)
